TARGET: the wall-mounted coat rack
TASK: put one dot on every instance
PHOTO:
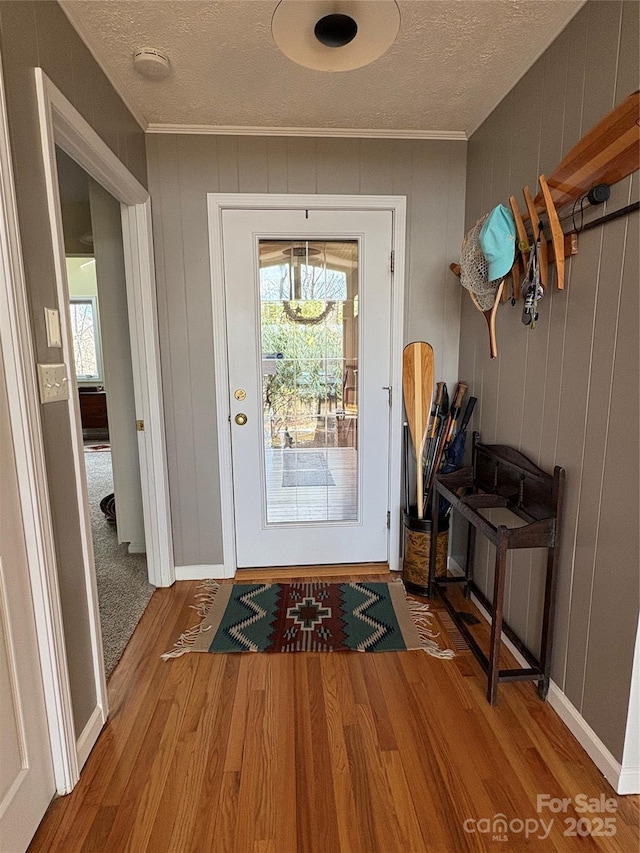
(609, 152)
(555, 250)
(552, 251)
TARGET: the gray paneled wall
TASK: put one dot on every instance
(182, 170)
(567, 392)
(38, 34)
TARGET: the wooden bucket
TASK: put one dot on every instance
(417, 544)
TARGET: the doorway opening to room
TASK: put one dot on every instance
(101, 346)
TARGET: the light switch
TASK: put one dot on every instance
(52, 322)
(53, 382)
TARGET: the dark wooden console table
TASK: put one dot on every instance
(502, 477)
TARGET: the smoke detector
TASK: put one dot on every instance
(151, 63)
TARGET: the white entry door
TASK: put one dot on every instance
(308, 309)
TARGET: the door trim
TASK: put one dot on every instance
(62, 124)
(217, 203)
(17, 349)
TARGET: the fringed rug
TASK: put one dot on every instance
(308, 617)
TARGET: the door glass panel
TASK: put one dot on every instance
(309, 344)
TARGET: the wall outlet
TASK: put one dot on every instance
(53, 382)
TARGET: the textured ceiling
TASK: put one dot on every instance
(452, 62)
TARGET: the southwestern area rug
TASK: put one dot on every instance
(308, 617)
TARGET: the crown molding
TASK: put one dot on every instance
(331, 132)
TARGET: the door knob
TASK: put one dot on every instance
(241, 419)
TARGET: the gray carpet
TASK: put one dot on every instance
(123, 588)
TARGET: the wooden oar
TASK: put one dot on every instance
(417, 388)
(609, 152)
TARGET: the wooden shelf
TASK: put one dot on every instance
(502, 478)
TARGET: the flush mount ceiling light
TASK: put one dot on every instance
(335, 36)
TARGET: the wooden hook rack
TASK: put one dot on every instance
(609, 152)
(553, 251)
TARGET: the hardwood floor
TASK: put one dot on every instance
(321, 753)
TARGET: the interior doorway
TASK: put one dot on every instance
(101, 346)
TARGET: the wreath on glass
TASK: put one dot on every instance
(296, 315)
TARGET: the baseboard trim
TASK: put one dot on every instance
(610, 768)
(89, 735)
(200, 573)
(623, 781)
(628, 781)
(137, 548)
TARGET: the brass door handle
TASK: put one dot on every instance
(241, 419)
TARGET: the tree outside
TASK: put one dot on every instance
(83, 331)
(302, 320)
(302, 367)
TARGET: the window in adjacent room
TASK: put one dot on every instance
(86, 338)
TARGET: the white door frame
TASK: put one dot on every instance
(217, 203)
(24, 414)
(60, 123)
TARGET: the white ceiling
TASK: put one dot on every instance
(452, 63)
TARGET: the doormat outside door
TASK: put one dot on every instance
(305, 468)
(309, 617)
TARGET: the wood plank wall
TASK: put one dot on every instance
(567, 392)
(182, 170)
